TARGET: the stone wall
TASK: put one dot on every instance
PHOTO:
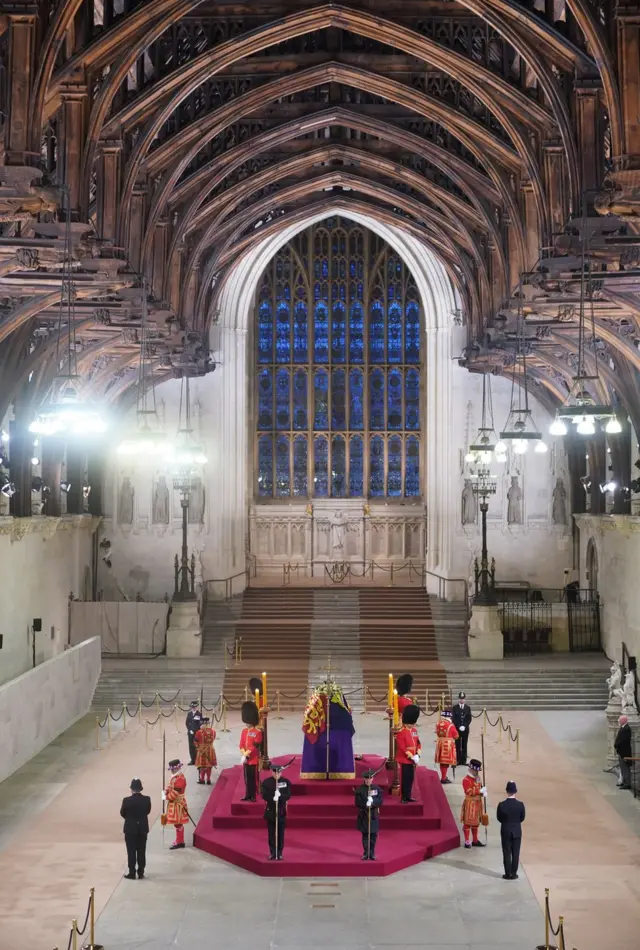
(123, 628)
(39, 705)
(43, 560)
(609, 561)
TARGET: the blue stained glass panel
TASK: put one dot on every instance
(300, 416)
(376, 467)
(265, 400)
(300, 466)
(320, 467)
(321, 400)
(356, 332)
(265, 331)
(394, 398)
(283, 327)
(394, 468)
(321, 332)
(376, 332)
(265, 466)
(282, 399)
(338, 399)
(283, 486)
(376, 399)
(412, 468)
(394, 333)
(338, 467)
(338, 327)
(412, 399)
(356, 466)
(412, 332)
(356, 400)
(300, 332)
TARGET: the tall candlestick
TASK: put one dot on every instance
(258, 698)
(264, 689)
(396, 714)
(390, 699)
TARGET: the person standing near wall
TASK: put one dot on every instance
(622, 745)
(135, 810)
(511, 814)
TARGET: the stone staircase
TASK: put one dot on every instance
(335, 637)
(128, 681)
(552, 684)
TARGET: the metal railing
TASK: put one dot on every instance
(340, 572)
(447, 587)
(226, 588)
(526, 618)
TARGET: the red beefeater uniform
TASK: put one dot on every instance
(206, 754)
(407, 744)
(250, 742)
(471, 811)
(177, 811)
(446, 735)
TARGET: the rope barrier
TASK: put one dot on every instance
(551, 931)
(90, 922)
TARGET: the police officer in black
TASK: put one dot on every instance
(193, 723)
(135, 809)
(511, 814)
(369, 798)
(276, 792)
(461, 716)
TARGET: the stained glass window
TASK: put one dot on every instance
(338, 408)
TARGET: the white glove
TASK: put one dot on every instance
(243, 759)
(164, 795)
(483, 791)
(416, 759)
(462, 728)
(369, 801)
(277, 795)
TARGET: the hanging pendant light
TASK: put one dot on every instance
(187, 454)
(485, 446)
(147, 441)
(520, 428)
(63, 411)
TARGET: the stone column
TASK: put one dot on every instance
(628, 23)
(159, 257)
(22, 37)
(134, 229)
(589, 135)
(109, 189)
(440, 461)
(485, 633)
(20, 454)
(75, 478)
(95, 475)
(613, 713)
(555, 179)
(75, 98)
(532, 233)
(52, 458)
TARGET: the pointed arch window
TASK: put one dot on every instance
(337, 369)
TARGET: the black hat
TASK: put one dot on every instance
(512, 788)
(274, 767)
(255, 684)
(205, 719)
(136, 785)
(446, 713)
(410, 715)
(175, 764)
(462, 695)
(194, 702)
(370, 773)
(475, 764)
(250, 714)
(404, 684)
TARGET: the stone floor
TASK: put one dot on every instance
(60, 833)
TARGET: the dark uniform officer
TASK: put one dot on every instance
(134, 809)
(369, 798)
(510, 814)
(276, 792)
(461, 717)
(193, 723)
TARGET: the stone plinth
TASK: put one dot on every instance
(184, 634)
(613, 713)
(485, 635)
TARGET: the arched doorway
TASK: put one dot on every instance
(592, 567)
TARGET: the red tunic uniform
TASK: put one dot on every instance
(250, 742)
(403, 702)
(407, 744)
(446, 734)
(177, 811)
(471, 811)
(206, 754)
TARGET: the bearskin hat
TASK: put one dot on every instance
(250, 714)
(255, 684)
(404, 684)
(410, 715)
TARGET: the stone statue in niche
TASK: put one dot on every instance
(514, 502)
(615, 681)
(627, 694)
(469, 503)
(196, 503)
(338, 528)
(559, 509)
(125, 502)
(161, 502)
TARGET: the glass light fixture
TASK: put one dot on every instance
(187, 453)
(586, 426)
(541, 447)
(613, 426)
(501, 448)
(557, 427)
(520, 446)
(520, 428)
(485, 444)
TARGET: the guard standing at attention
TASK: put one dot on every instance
(461, 717)
(205, 753)
(250, 742)
(446, 734)
(276, 792)
(193, 721)
(471, 812)
(408, 749)
(177, 813)
(369, 798)
(511, 814)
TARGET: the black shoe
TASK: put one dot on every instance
(372, 857)
(365, 857)
(624, 787)
(514, 877)
(208, 781)
(200, 781)
(506, 877)
(477, 844)
(174, 847)
(140, 875)
(411, 799)
(280, 857)
(272, 857)
(445, 781)
(192, 763)
(130, 876)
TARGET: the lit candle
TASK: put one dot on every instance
(390, 699)
(258, 698)
(264, 689)
(396, 714)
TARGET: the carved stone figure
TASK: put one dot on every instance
(559, 509)
(514, 500)
(615, 680)
(37, 200)
(161, 503)
(620, 194)
(627, 693)
(469, 504)
(337, 533)
(196, 503)
(125, 502)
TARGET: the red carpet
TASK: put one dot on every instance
(321, 838)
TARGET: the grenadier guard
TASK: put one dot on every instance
(408, 749)
(472, 810)
(446, 735)
(177, 813)
(404, 684)
(250, 743)
(205, 753)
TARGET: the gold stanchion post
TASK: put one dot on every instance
(364, 699)
(224, 715)
(108, 723)
(175, 716)
(278, 716)
(74, 934)
(240, 641)
(561, 933)
(140, 709)
(500, 729)
(226, 655)
(124, 717)
(484, 720)
(146, 733)
(157, 704)
(509, 737)
(97, 734)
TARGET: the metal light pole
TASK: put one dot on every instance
(189, 458)
(484, 484)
